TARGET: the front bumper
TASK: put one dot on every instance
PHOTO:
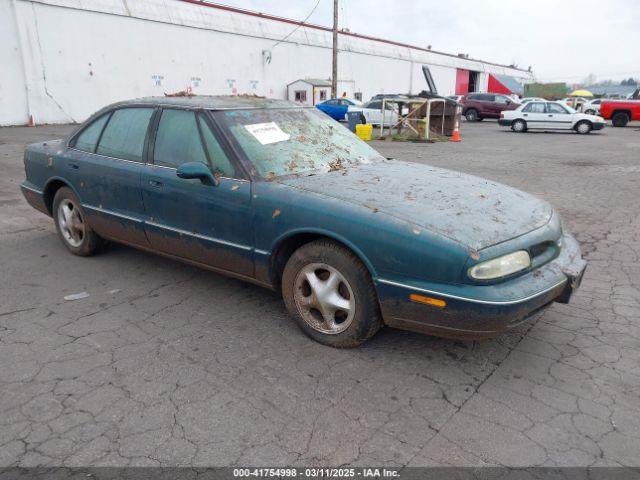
(484, 310)
(504, 122)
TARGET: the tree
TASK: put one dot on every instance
(589, 80)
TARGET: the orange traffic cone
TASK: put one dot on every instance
(456, 132)
(31, 122)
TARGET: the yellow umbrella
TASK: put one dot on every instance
(581, 93)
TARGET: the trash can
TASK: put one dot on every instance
(364, 131)
(354, 119)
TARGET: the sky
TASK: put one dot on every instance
(562, 40)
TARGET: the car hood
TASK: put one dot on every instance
(473, 211)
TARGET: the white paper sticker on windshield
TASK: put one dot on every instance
(267, 133)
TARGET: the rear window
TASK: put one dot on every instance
(88, 138)
(124, 135)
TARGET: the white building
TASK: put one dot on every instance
(63, 59)
(309, 91)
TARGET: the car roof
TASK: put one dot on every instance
(212, 102)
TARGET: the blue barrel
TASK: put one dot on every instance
(354, 119)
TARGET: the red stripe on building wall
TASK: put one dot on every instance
(495, 86)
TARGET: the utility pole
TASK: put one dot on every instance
(334, 66)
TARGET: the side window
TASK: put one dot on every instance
(537, 107)
(178, 139)
(331, 102)
(555, 108)
(87, 140)
(124, 135)
(472, 97)
(501, 99)
(375, 105)
(219, 160)
(527, 107)
(489, 98)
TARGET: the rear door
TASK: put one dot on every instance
(111, 151)
(186, 218)
(486, 105)
(534, 113)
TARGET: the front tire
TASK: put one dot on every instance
(620, 119)
(71, 224)
(329, 292)
(519, 126)
(584, 127)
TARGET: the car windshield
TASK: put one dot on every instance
(294, 141)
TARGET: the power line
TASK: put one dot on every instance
(297, 26)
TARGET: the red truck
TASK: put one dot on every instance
(620, 112)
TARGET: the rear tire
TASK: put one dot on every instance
(71, 224)
(471, 115)
(519, 126)
(584, 127)
(620, 119)
(330, 294)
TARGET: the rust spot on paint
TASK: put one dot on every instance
(235, 187)
(276, 212)
(473, 253)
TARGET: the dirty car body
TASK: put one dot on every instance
(282, 176)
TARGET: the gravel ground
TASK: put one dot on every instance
(165, 364)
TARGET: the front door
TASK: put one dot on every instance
(111, 150)
(210, 224)
(558, 117)
(501, 104)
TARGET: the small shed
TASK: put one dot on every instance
(309, 91)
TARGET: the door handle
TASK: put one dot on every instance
(155, 183)
(73, 165)
(525, 115)
(551, 115)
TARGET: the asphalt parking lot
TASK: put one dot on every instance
(165, 364)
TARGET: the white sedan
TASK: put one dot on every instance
(372, 112)
(531, 99)
(592, 107)
(549, 116)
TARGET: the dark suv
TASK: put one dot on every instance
(478, 106)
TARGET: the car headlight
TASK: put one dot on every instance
(501, 266)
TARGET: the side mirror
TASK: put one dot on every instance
(196, 170)
(509, 102)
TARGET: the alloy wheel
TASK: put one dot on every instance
(324, 298)
(71, 223)
(584, 127)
